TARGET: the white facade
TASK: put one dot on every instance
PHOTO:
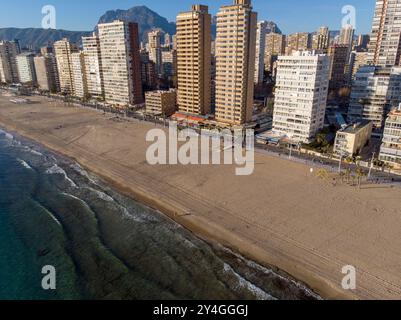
(385, 41)
(26, 68)
(63, 50)
(375, 91)
(390, 151)
(301, 94)
(261, 32)
(93, 66)
(78, 74)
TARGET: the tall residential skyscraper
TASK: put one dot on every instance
(260, 51)
(357, 60)
(63, 50)
(338, 54)
(375, 91)
(93, 66)
(26, 68)
(8, 62)
(79, 75)
(347, 36)
(235, 62)
(301, 94)
(46, 73)
(194, 60)
(385, 41)
(274, 46)
(321, 41)
(390, 151)
(119, 47)
(155, 50)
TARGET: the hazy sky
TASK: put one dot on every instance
(290, 15)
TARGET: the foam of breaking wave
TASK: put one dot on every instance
(7, 135)
(82, 172)
(243, 283)
(37, 153)
(55, 169)
(24, 164)
(256, 266)
(101, 195)
(131, 216)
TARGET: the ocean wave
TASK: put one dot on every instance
(24, 164)
(55, 169)
(297, 284)
(82, 172)
(7, 135)
(101, 195)
(128, 215)
(245, 284)
(30, 150)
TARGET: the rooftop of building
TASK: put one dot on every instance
(355, 127)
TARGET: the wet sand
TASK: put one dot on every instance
(280, 216)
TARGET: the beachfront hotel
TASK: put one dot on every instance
(79, 75)
(63, 50)
(351, 139)
(119, 46)
(8, 62)
(93, 66)
(161, 103)
(193, 40)
(385, 41)
(375, 91)
(26, 68)
(390, 151)
(301, 95)
(46, 73)
(235, 62)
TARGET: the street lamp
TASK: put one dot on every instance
(371, 165)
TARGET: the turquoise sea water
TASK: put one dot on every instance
(105, 245)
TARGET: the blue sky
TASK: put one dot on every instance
(290, 15)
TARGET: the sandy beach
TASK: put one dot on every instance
(281, 216)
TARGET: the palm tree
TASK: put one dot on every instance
(360, 173)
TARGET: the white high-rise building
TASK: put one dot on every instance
(119, 47)
(79, 75)
(235, 62)
(26, 68)
(63, 50)
(155, 50)
(262, 29)
(375, 91)
(390, 151)
(46, 73)
(301, 94)
(93, 66)
(385, 40)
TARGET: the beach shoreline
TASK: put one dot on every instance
(211, 234)
(297, 267)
